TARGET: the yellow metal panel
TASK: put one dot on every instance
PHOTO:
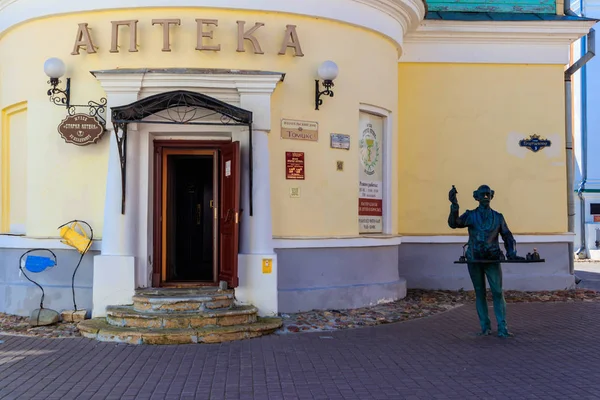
(267, 265)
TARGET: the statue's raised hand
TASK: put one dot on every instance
(452, 196)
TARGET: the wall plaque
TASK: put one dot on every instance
(267, 265)
(535, 143)
(339, 141)
(80, 129)
(294, 165)
(299, 130)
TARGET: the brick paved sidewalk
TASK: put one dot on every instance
(555, 355)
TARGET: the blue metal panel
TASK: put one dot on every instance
(38, 263)
(498, 16)
(506, 6)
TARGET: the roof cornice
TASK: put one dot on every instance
(391, 18)
(528, 42)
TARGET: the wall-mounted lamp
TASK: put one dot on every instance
(328, 71)
(55, 68)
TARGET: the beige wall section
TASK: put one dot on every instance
(66, 181)
(560, 7)
(328, 205)
(18, 172)
(460, 124)
(13, 169)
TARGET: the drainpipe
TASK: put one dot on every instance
(591, 48)
(581, 252)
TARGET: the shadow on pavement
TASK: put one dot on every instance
(589, 273)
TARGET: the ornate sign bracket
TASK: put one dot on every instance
(96, 109)
(177, 107)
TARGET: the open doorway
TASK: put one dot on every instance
(196, 213)
(190, 229)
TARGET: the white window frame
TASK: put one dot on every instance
(387, 164)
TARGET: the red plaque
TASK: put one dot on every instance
(294, 165)
(370, 207)
(596, 218)
(80, 129)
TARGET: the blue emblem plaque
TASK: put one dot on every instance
(535, 143)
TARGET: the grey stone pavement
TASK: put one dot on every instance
(589, 273)
(555, 354)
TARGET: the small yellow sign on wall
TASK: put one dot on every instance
(267, 265)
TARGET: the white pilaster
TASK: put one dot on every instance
(257, 286)
(258, 230)
(114, 269)
(120, 233)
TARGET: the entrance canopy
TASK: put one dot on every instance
(177, 107)
(195, 107)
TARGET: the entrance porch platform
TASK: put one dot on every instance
(179, 316)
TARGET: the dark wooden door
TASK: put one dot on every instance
(229, 213)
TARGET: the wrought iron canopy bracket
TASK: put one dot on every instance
(63, 98)
(122, 148)
(193, 102)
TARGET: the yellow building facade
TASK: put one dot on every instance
(235, 169)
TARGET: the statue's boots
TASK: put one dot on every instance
(504, 333)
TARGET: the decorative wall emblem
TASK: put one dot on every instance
(80, 129)
(369, 150)
(535, 143)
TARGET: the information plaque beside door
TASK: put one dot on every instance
(299, 130)
(294, 165)
(339, 141)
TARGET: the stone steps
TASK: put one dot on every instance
(182, 300)
(179, 316)
(100, 329)
(127, 316)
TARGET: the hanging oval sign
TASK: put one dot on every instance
(80, 129)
